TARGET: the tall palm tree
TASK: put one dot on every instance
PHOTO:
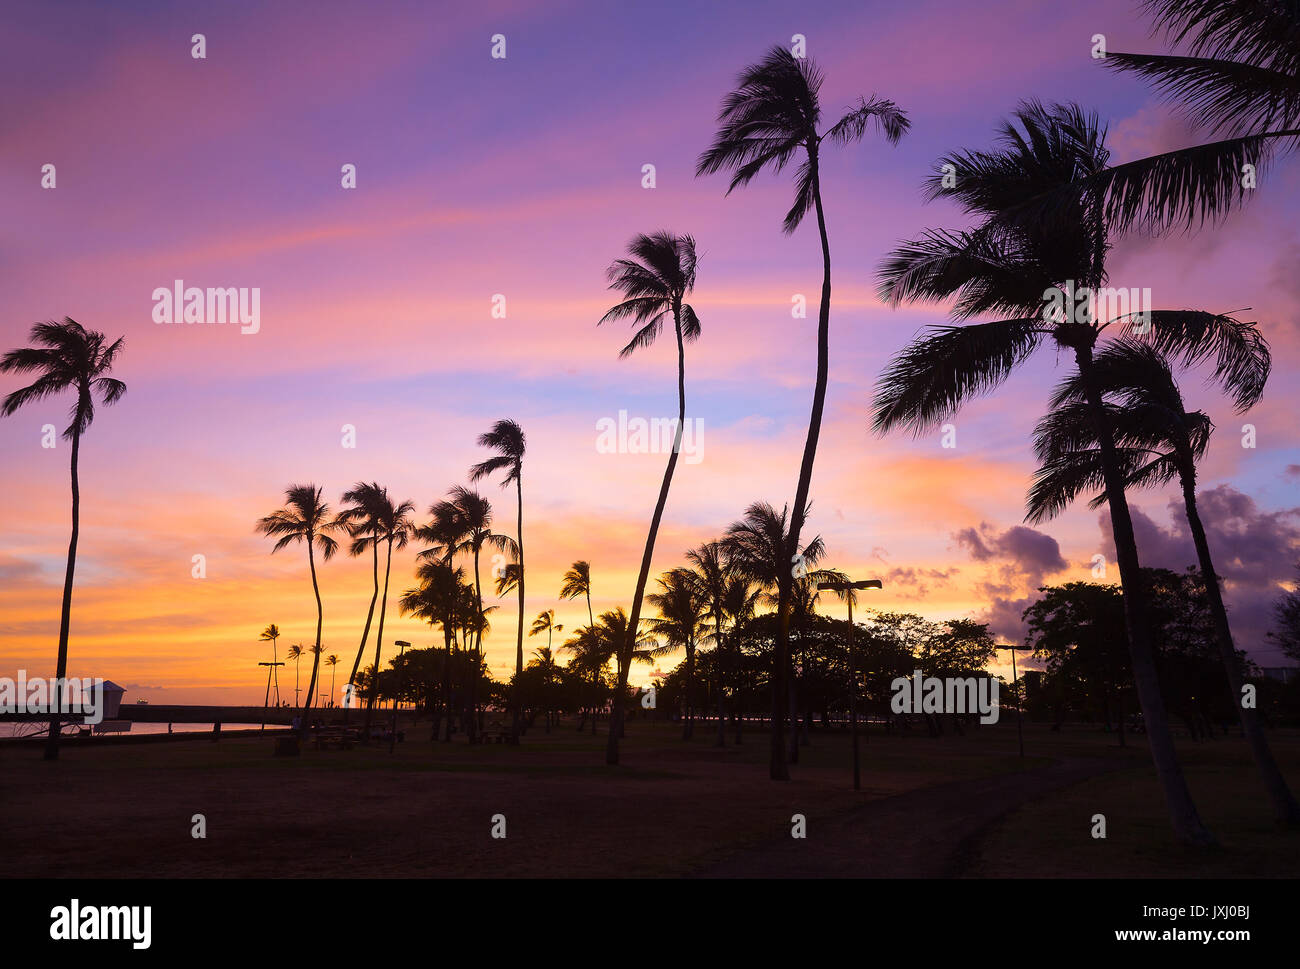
(295, 653)
(361, 516)
(507, 439)
(577, 582)
(395, 528)
(304, 518)
(772, 117)
(1157, 441)
(269, 635)
(66, 356)
(1027, 274)
(331, 661)
(682, 622)
(654, 282)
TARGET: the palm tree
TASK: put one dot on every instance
(592, 651)
(545, 623)
(682, 622)
(269, 635)
(361, 514)
(66, 356)
(772, 117)
(474, 512)
(577, 582)
(395, 528)
(1157, 441)
(711, 572)
(332, 661)
(1015, 271)
(507, 439)
(616, 629)
(305, 518)
(445, 531)
(295, 653)
(654, 284)
(544, 660)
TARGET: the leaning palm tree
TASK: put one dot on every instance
(1031, 276)
(507, 439)
(304, 518)
(1157, 441)
(395, 528)
(577, 582)
(654, 284)
(269, 635)
(682, 622)
(771, 118)
(66, 356)
(361, 514)
(295, 653)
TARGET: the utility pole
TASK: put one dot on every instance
(1020, 701)
(847, 588)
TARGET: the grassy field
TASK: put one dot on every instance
(670, 809)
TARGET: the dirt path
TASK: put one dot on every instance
(928, 833)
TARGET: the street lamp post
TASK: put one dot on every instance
(265, 703)
(847, 588)
(1020, 701)
(392, 736)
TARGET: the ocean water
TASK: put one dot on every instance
(28, 729)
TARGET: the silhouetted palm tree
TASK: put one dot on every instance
(682, 622)
(654, 284)
(544, 660)
(1157, 441)
(394, 530)
(361, 514)
(295, 653)
(1034, 273)
(711, 572)
(545, 623)
(507, 439)
(331, 661)
(591, 651)
(577, 582)
(66, 356)
(445, 531)
(269, 635)
(772, 117)
(305, 518)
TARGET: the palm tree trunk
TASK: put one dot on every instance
(61, 665)
(634, 620)
(365, 633)
(1285, 809)
(379, 642)
(777, 768)
(315, 657)
(1186, 822)
(519, 635)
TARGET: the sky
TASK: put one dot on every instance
(523, 177)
